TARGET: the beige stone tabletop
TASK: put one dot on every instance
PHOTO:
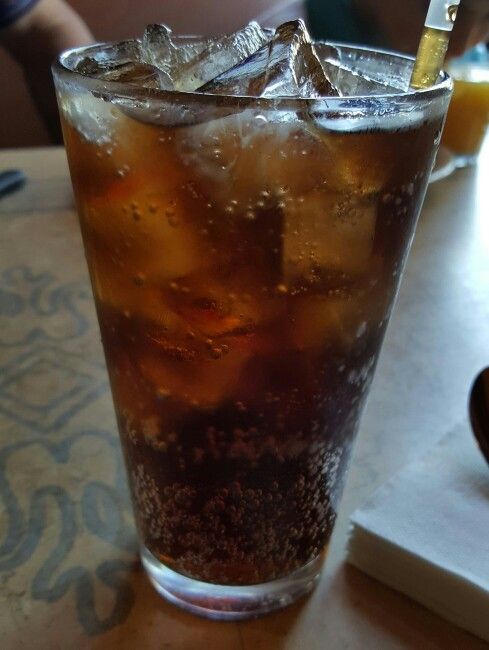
(69, 572)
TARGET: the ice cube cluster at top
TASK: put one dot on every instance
(253, 61)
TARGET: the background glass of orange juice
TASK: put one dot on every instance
(468, 115)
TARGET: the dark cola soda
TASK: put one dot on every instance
(242, 323)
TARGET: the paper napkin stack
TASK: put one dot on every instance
(426, 532)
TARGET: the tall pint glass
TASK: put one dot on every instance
(244, 254)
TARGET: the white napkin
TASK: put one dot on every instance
(426, 532)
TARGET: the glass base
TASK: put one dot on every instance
(230, 603)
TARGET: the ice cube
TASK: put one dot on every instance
(97, 58)
(362, 162)
(214, 309)
(326, 319)
(161, 49)
(286, 66)
(189, 374)
(142, 222)
(93, 118)
(218, 56)
(230, 157)
(139, 74)
(238, 158)
(349, 82)
(325, 232)
(363, 64)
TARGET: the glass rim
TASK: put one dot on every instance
(443, 86)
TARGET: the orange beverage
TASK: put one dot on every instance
(245, 254)
(468, 114)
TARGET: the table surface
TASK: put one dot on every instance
(69, 575)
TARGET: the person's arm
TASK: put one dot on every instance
(34, 39)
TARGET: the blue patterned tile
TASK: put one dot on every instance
(43, 388)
